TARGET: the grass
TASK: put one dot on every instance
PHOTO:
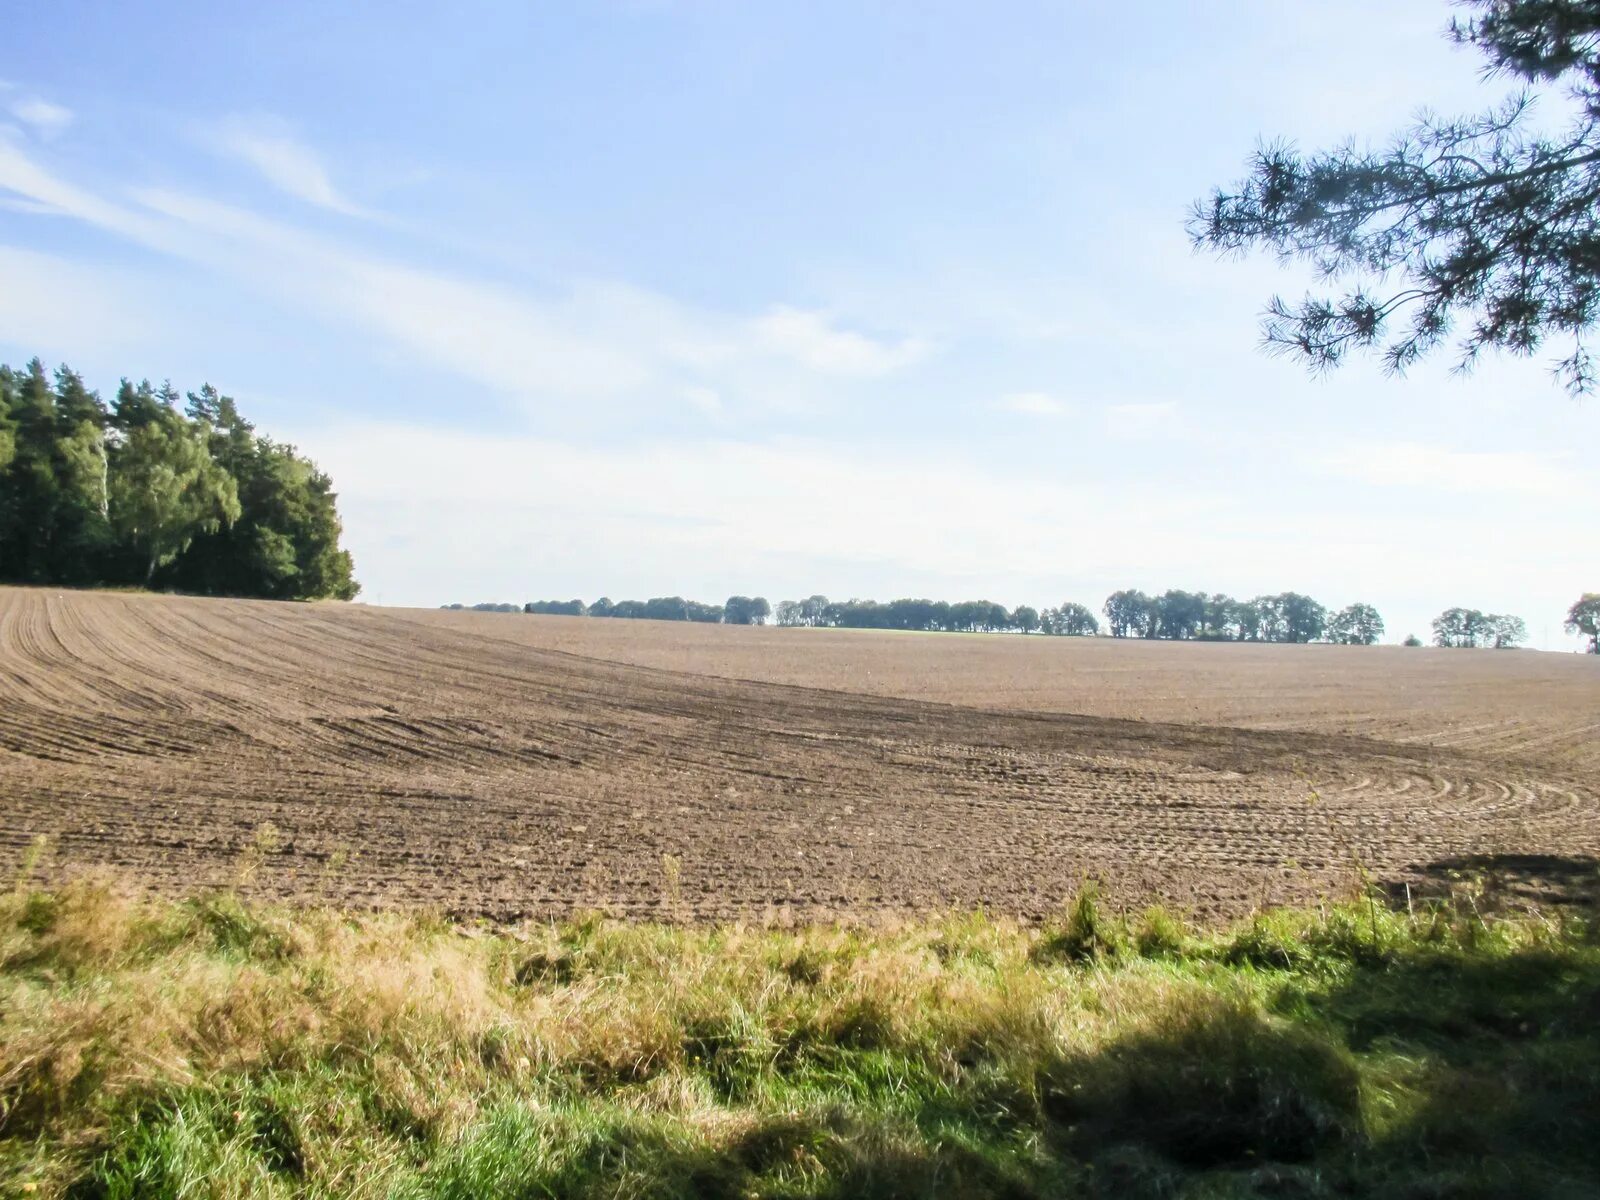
(212, 1048)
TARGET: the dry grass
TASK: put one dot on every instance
(212, 1048)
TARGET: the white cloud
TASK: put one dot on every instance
(811, 339)
(585, 341)
(589, 340)
(1409, 464)
(290, 166)
(43, 117)
(1142, 420)
(1032, 404)
(32, 186)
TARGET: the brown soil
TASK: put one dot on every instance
(367, 756)
(1544, 708)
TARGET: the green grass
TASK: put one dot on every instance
(212, 1048)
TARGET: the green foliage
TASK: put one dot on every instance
(1356, 625)
(1180, 616)
(1584, 617)
(1070, 620)
(745, 610)
(144, 493)
(1488, 221)
(1467, 627)
(165, 490)
(1084, 933)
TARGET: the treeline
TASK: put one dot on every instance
(1215, 617)
(146, 492)
(942, 616)
(1173, 615)
(1468, 627)
(736, 610)
(1177, 615)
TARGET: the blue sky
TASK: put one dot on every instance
(652, 298)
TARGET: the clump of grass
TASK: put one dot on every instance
(1084, 933)
(1160, 934)
(215, 1047)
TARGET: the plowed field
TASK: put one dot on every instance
(370, 756)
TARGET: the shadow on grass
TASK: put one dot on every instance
(1501, 881)
(1490, 1067)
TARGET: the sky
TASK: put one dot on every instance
(659, 298)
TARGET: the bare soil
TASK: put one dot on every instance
(514, 766)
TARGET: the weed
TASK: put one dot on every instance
(1085, 933)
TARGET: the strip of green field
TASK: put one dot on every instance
(213, 1049)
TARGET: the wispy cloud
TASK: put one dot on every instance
(812, 339)
(1411, 464)
(585, 340)
(286, 163)
(1032, 404)
(43, 117)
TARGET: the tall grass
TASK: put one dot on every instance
(216, 1048)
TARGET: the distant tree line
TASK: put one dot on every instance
(1177, 615)
(1467, 627)
(736, 610)
(942, 616)
(1172, 615)
(146, 493)
(1215, 617)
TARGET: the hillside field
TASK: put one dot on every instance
(512, 766)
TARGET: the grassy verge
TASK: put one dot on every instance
(213, 1048)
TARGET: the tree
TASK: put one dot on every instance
(743, 610)
(1129, 613)
(1506, 631)
(166, 489)
(1412, 640)
(813, 609)
(1290, 617)
(1484, 221)
(1179, 614)
(1075, 620)
(1356, 625)
(557, 608)
(1219, 620)
(1584, 617)
(1460, 627)
(1248, 616)
(1025, 618)
(666, 608)
(89, 495)
(285, 544)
